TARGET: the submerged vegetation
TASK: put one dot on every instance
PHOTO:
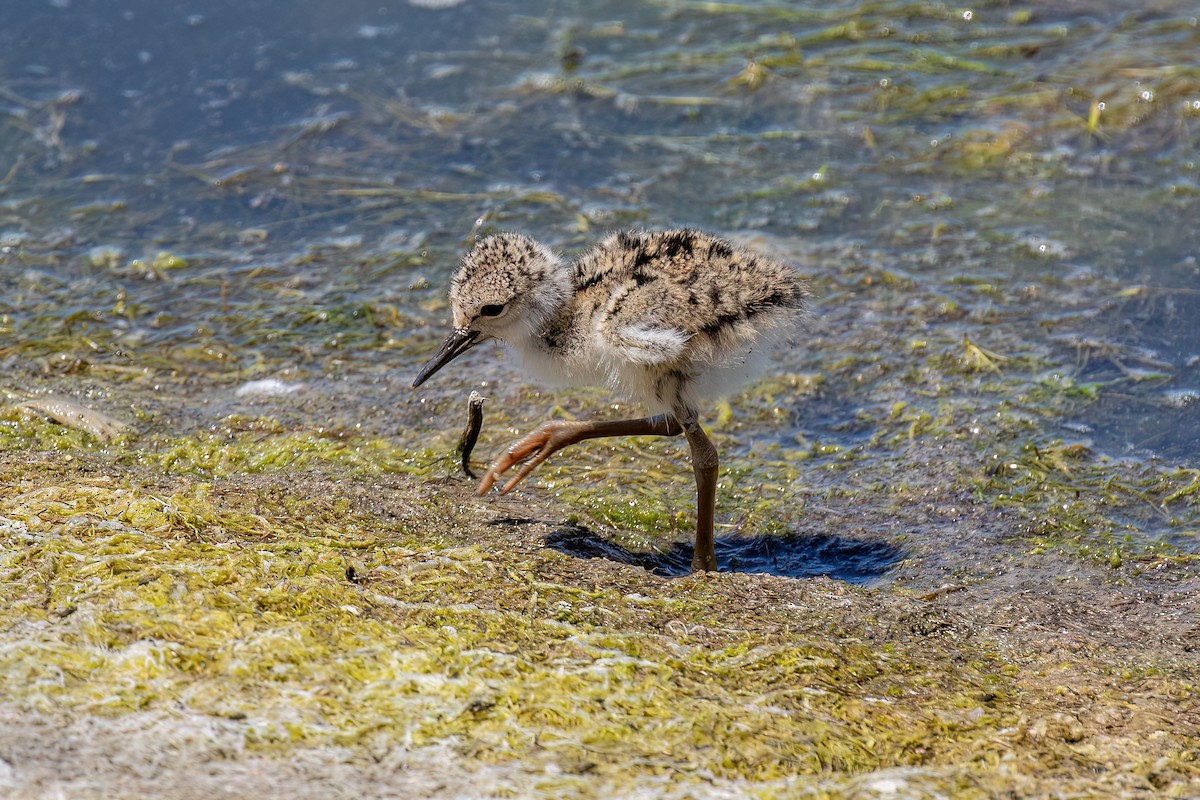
(222, 502)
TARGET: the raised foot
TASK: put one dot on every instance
(545, 440)
(550, 437)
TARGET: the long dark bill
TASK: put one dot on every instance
(457, 343)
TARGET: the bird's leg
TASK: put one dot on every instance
(550, 437)
(704, 465)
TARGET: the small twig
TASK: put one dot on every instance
(945, 588)
(470, 434)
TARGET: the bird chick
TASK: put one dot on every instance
(669, 319)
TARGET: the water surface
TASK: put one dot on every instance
(997, 207)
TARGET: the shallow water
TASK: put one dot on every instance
(195, 199)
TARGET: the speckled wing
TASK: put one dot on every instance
(686, 294)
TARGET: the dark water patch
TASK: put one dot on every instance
(1144, 366)
(792, 556)
(1166, 425)
(833, 416)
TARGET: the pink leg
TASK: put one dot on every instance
(550, 437)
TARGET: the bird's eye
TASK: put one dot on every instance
(491, 311)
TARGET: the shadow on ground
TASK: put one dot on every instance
(794, 556)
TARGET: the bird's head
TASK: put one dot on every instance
(506, 288)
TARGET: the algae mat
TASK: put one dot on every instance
(318, 633)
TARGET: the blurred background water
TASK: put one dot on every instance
(997, 205)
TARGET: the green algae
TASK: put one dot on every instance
(243, 445)
(233, 600)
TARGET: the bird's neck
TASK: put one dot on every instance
(547, 301)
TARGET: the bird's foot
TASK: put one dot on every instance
(704, 561)
(545, 440)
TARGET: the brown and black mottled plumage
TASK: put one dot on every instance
(649, 307)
